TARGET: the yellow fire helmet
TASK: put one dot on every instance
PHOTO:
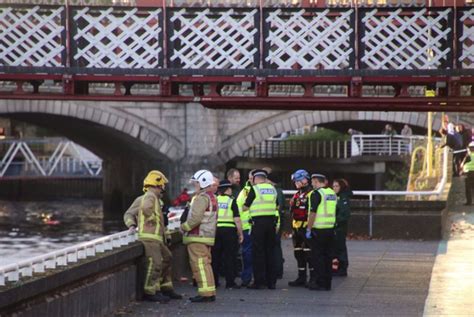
(154, 178)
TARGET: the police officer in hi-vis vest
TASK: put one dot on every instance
(199, 235)
(145, 216)
(468, 170)
(247, 269)
(228, 235)
(262, 204)
(299, 212)
(320, 232)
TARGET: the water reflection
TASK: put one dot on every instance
(29, 229)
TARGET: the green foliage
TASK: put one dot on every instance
(321, 134)
(397, 177)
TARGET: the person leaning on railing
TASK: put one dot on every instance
(145, 216)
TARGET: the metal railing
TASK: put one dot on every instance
(438, 191)
(45, 157)
(359, 145)
(302, 149)
(39, 264)
(376, 144)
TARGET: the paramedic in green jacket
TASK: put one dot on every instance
(343, 213)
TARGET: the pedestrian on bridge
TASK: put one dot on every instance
(262, 203)
(299, 213)
(228, 235)
(320, 232)
(146, 216)
(468, 169)
(199, 235)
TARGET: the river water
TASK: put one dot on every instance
(29, 229)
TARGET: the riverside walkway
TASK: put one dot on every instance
(386, 278)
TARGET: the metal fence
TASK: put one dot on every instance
(46, 157)
(375, 144)
(359, 145)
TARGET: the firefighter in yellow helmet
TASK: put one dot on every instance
(145, 216)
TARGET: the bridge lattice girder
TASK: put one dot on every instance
(208, 50)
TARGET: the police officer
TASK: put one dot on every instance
(468, 170)
(145, 216)
(228, 235)
(299, 212)
(320, 232)
(247, 269)
(262, 203)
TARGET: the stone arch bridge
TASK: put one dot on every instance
(178, 138)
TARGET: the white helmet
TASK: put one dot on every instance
(471, 144)
(204, 177)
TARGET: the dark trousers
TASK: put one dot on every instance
(263, 244)
(247, 270)
(302, 250)
(278, 257)
(321, 255)
(469, 183)
(224, 253)
(340, 247)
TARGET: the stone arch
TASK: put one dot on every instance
(102, 114)
(290, 120)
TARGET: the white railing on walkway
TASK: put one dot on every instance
(36, 157)
(379, 144)
(438, 191)
(26, 268)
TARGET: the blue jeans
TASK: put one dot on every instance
(247, 258)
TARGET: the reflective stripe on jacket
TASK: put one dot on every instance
(326, 212)
(225, 215)
(264, 203)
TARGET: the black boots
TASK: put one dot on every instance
(158, 297)
(172, 294)
(202, 299)
(300, 281)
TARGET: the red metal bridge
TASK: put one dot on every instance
(339, 55)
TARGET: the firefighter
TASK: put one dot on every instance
(199, 235)
(228, 235)
(320, 232)
(262, 204)
(145, 216)
(299, 212)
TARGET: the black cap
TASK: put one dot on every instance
(224, 184)
(260, 172)
(318, 176)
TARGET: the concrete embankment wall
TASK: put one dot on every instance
(92, 287)
(47, 188)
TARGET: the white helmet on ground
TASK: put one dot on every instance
(204, 178)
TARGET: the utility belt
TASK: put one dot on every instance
(297, 224)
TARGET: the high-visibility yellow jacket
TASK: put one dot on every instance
(146, 215)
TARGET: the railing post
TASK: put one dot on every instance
(371, 211)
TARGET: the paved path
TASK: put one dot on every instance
(386, 278)
(451, 291)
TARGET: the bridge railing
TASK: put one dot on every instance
(125, 38)
(45, 157)
(26, 268)
(376, 144)
(320, 149)
(359, 145)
